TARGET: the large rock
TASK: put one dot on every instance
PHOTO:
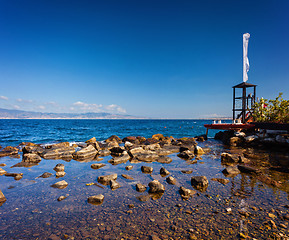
(85, 153)
(117, 151)
(104, 152)
(121, 159)
(59, 167)
(106, 179)
(231, 171)
(114, 185)
(156, 187)
(247, 169)
(147, 156)
(31, 157)
(131, 139)
(113, 138)
(8, 151)
(200, 183)
(61, 184)
(33, 149)
(152, 147)
(92, 140)
(97, 165)
(199, 150)
(146, 169)
(97, 199)
(2, 198)
(140, 187)
(158, 137)
(186, 193)
(228, 159)
(187, 155)
(235, 141)
(164, 172)
(171, 180)
(58, 151)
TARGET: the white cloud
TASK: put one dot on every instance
(3, 98)
(24, 100)
(41, 107)
(82, 106)
(16, 107)
(115, 108)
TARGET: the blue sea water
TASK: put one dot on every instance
(15, 131)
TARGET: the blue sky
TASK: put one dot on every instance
(159, 59)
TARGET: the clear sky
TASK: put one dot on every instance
(151, 58)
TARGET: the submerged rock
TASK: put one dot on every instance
(17, 176)
(127, 177)
(140, 187)
(231, 171)
(227, 159)
(200, 183)
(119, 160)
(97, 199)
(164, 159)
(97, 165)
(156, 187)
(221, 180)
(45, 175)
(105, 180)
(146, 169)
(187, 171)
(61, 184)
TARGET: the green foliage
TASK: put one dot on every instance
(276, 111)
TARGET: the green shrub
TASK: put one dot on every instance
(271, 111)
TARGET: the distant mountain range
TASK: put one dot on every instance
(19, 114)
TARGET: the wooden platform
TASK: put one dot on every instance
(228, 126)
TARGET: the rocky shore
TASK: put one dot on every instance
(243, 155)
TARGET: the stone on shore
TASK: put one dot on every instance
(59, 168)
(61, 184)
(156, 187)
(97, 199)
(146, 169)
(164, 159)
(164, 172)
(247, 169)
(171, 180)
(140, 187)
(105, 180)
(31, 158)
(92, 140)
(85, 153)
(121, 159)
(200, 183)
(104, 152)
(114, 185)
(97, 165)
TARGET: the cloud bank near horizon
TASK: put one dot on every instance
(54, 107)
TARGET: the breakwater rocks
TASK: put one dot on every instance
(263, 139)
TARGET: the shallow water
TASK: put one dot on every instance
(33, 212)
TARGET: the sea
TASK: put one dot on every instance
(243, 206)
(15, 131)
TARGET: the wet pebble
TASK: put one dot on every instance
(140, 187)
(128, 168)
(45, 175)
(146, 169)
(127, 177)
(59, 168)
(97, 165)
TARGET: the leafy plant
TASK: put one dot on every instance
(276, 110)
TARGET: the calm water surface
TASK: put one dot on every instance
(33, 212)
